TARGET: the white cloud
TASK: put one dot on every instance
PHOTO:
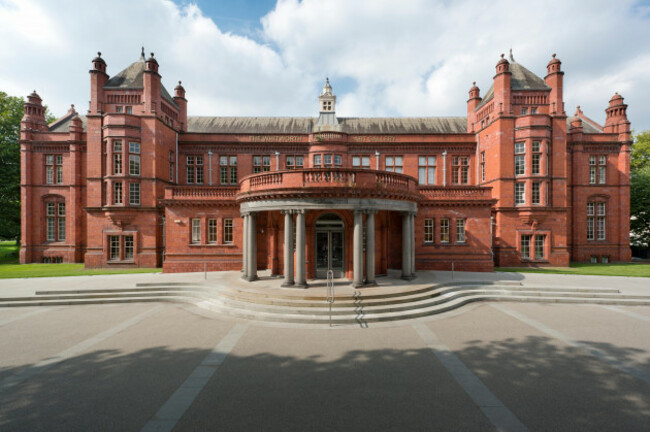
(415, 57)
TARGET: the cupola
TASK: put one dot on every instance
(179, 91)
(503, 65)
(327, 100)
(99, 64)
(152, 64)
(553, 65)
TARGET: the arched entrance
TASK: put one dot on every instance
(330, 245)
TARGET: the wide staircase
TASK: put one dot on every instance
(350, 306)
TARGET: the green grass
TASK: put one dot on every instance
(9, 267)
(616, 269)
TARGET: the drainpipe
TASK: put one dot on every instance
(478, 162)
(277, 161)
(177, 161)
(444, 168)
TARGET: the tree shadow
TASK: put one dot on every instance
(547, 385)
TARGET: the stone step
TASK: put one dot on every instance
(159, 289)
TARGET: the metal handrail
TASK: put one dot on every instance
(330, 291)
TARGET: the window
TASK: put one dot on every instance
(604, 260)
(520, 196)
(524, 111)
(536, 193)
(261, 164)
(338, 160)
(540, 241)
(593, 260)
(592, 169)
(520, 158)
(537, 157)
(525, 246)
(55, 223)
(482, 166)
(228, 167)
(227, 231)
(212, 230)
(295, 162)
(444, 230)
(533, 110)
(196, 230)
(114, 247)
(428, 231)
(317, 160)
(171, 166)
(53, 169)
(134, 193)
(117, 157)
(117, 193)
(427, 170)
(601, 221)
(590, 221)
(327, 161)
(460, 230)
(536, 146)
(128, 247)
(602, 168)
(361, 161)
(394, 163)
(194, 169)
(129, 110)
(134, 159)
(460, 169)
(119, 109)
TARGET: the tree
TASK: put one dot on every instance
(640, 189)
(11, 111)
(640, 156)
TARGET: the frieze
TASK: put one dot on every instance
(275, 138)
(374, 138)
(602, 148)
(50, 148)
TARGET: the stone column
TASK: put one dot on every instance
(301, 282)
(413, 244)
(370, 247)
(244, 265)
(288, 249)
(406, 246)
(357, 257)
(251, 248)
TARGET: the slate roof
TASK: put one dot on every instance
(520, 79)
(305, 125)
(131, 78)
(587, 127)
(63, 124)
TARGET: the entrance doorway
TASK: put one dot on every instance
(330, 250)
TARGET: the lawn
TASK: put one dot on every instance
(9, 267)
(615, 269)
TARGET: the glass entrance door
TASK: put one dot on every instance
(329, 253)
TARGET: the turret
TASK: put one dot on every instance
(617, 121)
(502, 84)
(98, 78)
(472, 103)
(555, 80)
(151, 84)
(34, 114)
(327, 101)
(179, 98)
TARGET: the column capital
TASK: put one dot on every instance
(371, 211)
(300, 211)
(359, 211)
(286, 212)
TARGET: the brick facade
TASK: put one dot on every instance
(136, 182)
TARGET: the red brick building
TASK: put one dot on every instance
(136, 182)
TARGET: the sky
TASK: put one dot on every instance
(383, 57)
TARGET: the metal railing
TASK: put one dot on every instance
(330, 291)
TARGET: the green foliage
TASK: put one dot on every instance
(640, 206)
(10, 271)
(8, 252)
(11, 111)
(640, 156)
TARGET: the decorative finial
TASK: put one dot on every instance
(151, 54)
(142, 53)
(502, 55)
(179, 82)
(554, 55)
(99, 54)
(474, 83)
(72, 107)
(512, 59)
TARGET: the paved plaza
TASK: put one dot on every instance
(486, 366)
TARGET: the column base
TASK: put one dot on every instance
(370, 283)
(251, 278)
(300, 285)
(408, 277)
(357, 284)
(288, 284)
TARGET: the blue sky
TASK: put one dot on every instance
(383, 57)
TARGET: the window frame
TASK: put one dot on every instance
(427, 169)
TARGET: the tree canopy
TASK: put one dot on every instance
(640, 188)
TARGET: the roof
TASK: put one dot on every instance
(520, 79)
(305, 125)
(131, 78)
(586, 126)
(63, 124)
